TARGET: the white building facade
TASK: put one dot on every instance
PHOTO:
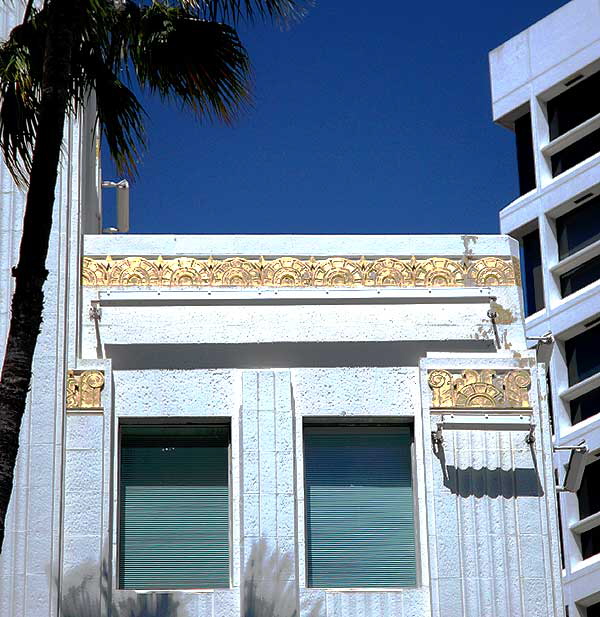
(545, 85)
(339, 436)
(315, 426)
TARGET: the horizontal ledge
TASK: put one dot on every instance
(570, 137)
(130, 297)
(585, 524)
(576, 259)
(480, 423)
(583, 387)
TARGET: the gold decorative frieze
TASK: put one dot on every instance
(84, 389)
(480, 389)
(295, 272)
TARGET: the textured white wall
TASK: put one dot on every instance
(486, 532)
(493, 531)
(31, 555)
(267, 408)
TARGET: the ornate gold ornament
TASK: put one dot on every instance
(295, 272)
(480, 389)
(84, 389)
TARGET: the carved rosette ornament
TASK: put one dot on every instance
(491, 272)
(295, 272)
(479, 389)
(84, 389)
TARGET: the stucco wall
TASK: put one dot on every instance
(484, 504)
(184, 354)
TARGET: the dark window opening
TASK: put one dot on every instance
(580, 277)
(575, 153)
(593, 610)
(550, 404)
(574, 106)
(583, 359)
(585, 406)
(588, 494)
(590, 543)
(525, 160)
(578, 228)
(531, 260)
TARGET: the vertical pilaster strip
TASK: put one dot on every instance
(83, 494)
(249, 453)
(285, 489)
(268, 477)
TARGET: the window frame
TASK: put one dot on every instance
(588, 522)
(166, 423)
(527, 274)
(359, 422)
(574, 375)
(566, 221)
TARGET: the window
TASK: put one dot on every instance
(578, 228)
(574, 106)
(588, 497)
(580, 277)
(583, 359)
(359, 507)
(575, 153)
(593, 610)
(590, 543)
(174, 507)
(588, 494)
(585, 406)
(525, 160)
(531, 260)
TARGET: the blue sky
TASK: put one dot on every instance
(367, 118)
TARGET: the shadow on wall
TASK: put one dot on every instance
(270, 586)
(484, 482)
(88, 593)
(269, 590)
(518, 482)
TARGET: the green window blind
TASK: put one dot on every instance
(359, 507)
(174, 508)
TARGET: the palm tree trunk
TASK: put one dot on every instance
(30, 273)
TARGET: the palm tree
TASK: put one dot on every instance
(186, 51)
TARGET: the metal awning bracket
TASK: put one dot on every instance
(484, 420)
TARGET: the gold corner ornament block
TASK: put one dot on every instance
(476, 389)
(84, 389)
(295, 272)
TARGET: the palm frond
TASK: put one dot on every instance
(282, 12)
(175, 48)
(120, 114)
(201, 64)
(21, 58)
